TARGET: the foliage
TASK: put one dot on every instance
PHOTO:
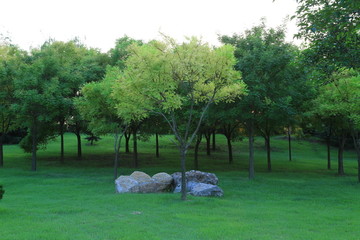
(175, 80)
(332, 28)
(120, 52)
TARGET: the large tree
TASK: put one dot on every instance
(332, 30)
(168, 78)
(274, 82)
(10, 60)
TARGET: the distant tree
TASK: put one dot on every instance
(36, 104)
(340, 100)
(11, 58)
(167, 78)
(97, 105)
(332, 31)
(120, 52)
(274, 82)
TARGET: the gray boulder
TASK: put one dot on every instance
(206, 190)
(163, 181)
(140, 182)
(125, 184)
(196, 176)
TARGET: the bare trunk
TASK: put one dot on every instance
(34, 147)
(183, 171)
(328, 153)
(228, 138)
(289, 140)
(268, 152)
(117, 142)
(251, 150)
(196, 151)
(342, 141)
(157, 145)
(214, 140)
(1, 150)
(207, 137)
(79, 151)
(136, 160)
(356, 139)
(127, 139)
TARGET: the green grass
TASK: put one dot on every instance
(76, 200)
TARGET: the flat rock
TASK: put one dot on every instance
(206, 190)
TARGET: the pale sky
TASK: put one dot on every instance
(99, 23)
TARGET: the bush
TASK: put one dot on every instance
(1, 191)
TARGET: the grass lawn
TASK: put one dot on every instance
(76, 200)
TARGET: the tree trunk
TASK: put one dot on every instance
(356, 139)
(289, 139)
(251, 150)
(1, 150)
(214, 140)
(208, 138)
(342, 141)
(33, 150)
(268, 152)
(117, 142)
(79, 151)
(136, 160)
(228, 138)
(127, 139)
(157, 145)
(196, 151)
(183, 171)
(328, 153)
(61, 129)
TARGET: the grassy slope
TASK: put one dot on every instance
(76, 200)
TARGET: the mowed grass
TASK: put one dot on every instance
(76, 200)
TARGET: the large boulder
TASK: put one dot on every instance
(125, 184)
(206, 190)
(164, 181)
(140, 182)
(196, 176)
(198, 183)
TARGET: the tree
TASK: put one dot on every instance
(274, 82)
(36, 104)
(332, 30)
(98, 106)
(169, 78)
(10, 60)
(120, 53)
(340, 100)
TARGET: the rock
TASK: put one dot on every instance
(206, 190)
(196, 176)
(125, 184)
(189, 187)
(140, 182)
(164, 181)
(140, 176)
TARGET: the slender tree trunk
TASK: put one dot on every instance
(328, 153)
(196, 151)
(79, 150)
(342, 141)
(183, 151)
(1, 150)
(251, 150)
(289, 139)
(62, 122)
(157, 145)
(268, 152)
(136, 160)
(208, 138)
(230, 153)
(356, 139)
(214, 140)
(33, 150)
(127, 139)
(116, 150)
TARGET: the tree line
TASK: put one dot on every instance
(256, 83)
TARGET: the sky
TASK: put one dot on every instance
(98, 23)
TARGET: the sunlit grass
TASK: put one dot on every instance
(76, 200)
